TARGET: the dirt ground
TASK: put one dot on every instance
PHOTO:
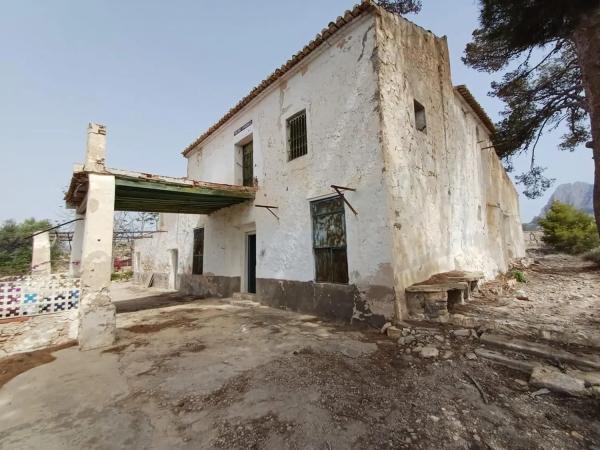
(208, 374)
(560, 301)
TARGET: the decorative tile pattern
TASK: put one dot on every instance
(30, 296)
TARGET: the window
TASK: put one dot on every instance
(329, 240)
(296, 134)
(198, 255)
(420, 121)
(247, 165)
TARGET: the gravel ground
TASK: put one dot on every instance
(560, 301)
(210, 375)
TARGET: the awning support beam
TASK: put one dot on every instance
(270, 209)
(339, 190)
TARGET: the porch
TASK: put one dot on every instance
(96, 192)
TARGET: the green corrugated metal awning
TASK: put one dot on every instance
(153, 193)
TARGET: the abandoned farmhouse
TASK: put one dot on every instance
(371, 172)
(336, 187)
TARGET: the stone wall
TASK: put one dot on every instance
(427, 201)
(451, 203)
(38, 311)
(24, 334)
(336, 85)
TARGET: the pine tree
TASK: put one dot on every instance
(541, 92)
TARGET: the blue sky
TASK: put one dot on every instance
(158, 73)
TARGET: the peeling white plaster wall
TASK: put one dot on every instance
(337, 87)
(452, 204)
(426, 202)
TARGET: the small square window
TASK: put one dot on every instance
(420, 120)
(296, 134)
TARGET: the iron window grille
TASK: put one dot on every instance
(297, 136)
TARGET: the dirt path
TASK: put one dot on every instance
(210, 375)
(560, 301)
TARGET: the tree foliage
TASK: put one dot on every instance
(401, 6)
(544, 88)
(568, 229)
(16, 245)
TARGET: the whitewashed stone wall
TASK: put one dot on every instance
(426, 202)
(452, 204)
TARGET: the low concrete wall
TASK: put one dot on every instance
(161, 280)
(339, 302)
(24, 334)
(209, 285)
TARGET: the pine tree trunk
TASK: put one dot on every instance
(587, 43)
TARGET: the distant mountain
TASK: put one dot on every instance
(578, 194)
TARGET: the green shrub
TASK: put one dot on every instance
(519, 276)
(568, 229)
(593, 255)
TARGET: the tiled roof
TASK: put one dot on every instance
(466, 94)
(330, 30)
(326, 33)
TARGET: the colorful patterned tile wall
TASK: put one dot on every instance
(31, 296)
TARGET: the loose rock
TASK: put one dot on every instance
(393, 332)
(462, 333)
(429, 352)
(385, 327)
(556, 381)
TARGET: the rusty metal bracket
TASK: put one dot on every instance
(269, 208)
(339, 190)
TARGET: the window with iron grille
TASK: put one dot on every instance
(198, 255)
(329, 240)
(296, 133)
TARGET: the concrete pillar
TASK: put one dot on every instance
(95, 154)
(77, 247)
(96, 312)
(40, 258)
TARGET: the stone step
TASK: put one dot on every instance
(541, 350)
(503, 360)
(244, 303)
(571, 382)
(244, 296)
